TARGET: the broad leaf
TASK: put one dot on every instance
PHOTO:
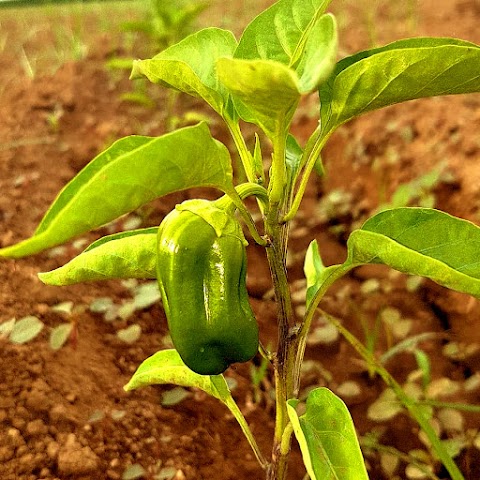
(60, 334)
(129, 254)
(130, 334)
(26, 329)
(166, 367)
(421, 241)
(129, 174)
(189, 66)
(327, 438)
(320, 55)
(265, 92)
(267, 79)
(401, 71)
(287, 51)
(281, 32)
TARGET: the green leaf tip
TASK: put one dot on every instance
(130, 173)
(424, 242)
(400, 71)
(327, 437)
(130, 254)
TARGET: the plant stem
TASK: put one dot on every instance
(245, 190)
(465, 407)
(233, 199)
(283, 364)
(331, 274)
(312, 152)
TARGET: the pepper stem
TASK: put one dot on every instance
(235, 197)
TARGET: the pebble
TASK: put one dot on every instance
(60, 414)
(25, 463)
(21, 450)
(29, 462)
(75, 460)
(18, 423)
(52, 450)
(179, 475)
(39, 445)
(37, 399)
(6, 454)
(71, 397)
(113, 475)
(36, 427)
(22, 412)
(42, 308)
(15, 437)
(35, 368)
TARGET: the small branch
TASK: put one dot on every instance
(337, 271)
(265, 353)
(233, 197)
(312, 152)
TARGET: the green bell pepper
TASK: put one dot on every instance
(201, 270)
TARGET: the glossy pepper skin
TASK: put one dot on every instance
(201, 269)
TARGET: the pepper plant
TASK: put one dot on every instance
(287, 52)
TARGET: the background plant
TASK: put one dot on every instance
(165, 23)
(261, 81)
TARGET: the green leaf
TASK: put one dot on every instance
(189, 66)
(146, 295)
(174, 396)
(258, 159)
(313, 268)
(327, 438)
(385, 407)
(26, 329)
(63, 307)
(166, 473)
(320, 56)
(280, 33)
(401, 71)
(166, 367)
(59, 335)
(293, 158)
(130, 334)
(133, 472)
(287, 51)
(265, 92)
(131, 254)
(266, 80)
(421, 241)
(129, 174)
(7, 327)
